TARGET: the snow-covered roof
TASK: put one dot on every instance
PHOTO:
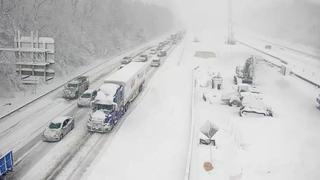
(124, 74)
(253, 102)
(98, 115)
(101, 98)
(109, 89)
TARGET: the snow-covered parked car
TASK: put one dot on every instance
(268, 46)
(58, 128)
(242, 90)
(86, 98)
(254, 105)
(318, 101)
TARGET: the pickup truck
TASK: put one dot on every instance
(74, 88)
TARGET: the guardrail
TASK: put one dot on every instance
(282, 61)
(191, 140)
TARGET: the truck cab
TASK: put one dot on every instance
(106, 109)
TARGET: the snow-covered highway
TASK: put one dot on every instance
(22, 131)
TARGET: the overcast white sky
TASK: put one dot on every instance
(197, 12)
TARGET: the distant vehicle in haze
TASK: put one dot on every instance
(162, 53)
(142, 58)
(74, 88)
(126, 60)
(58, 128)
(86, 98)
(268, 46)
(155, 62)
(153, 51)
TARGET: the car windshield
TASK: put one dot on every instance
(107, 107)
(71, 85)
(54, 125)
(86, 95)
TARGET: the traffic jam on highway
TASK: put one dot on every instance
(106, 103)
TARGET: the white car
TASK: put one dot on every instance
(86, 98)
(254, 105)
(126, 60)
(153, 51)
(58, 128)
(142, 58)
(155, 62)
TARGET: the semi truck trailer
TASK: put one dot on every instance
(115, 95)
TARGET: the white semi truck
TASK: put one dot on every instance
(115, 94)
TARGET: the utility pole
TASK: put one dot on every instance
(230, 39)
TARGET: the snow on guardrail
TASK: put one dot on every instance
(191, 140)
(304, 72)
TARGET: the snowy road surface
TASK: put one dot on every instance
(152, 142)
(22, 132)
